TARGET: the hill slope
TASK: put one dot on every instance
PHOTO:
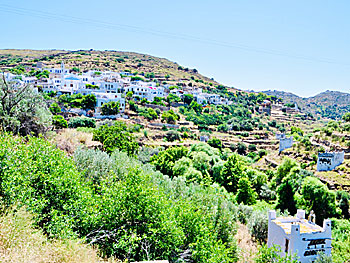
(328, 104)
(154, 67)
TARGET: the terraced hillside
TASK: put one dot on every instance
(328, 104)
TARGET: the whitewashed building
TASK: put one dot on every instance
(329, 161)
(285, 143)
(298, 236)
(102, 98)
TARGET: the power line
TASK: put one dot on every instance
(113, 26)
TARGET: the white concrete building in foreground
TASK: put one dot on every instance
(296, 235)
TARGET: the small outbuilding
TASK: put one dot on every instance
(296, 235)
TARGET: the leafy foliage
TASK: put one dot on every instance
(22, 110)
(59, 122)
(116, 136)
(81, 122)
(110, 108)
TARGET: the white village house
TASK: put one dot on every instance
(298, 236)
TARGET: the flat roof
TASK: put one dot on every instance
(305, 227)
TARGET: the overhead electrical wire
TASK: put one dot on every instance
(116, 26)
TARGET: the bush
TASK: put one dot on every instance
(268, 255)
(252, 147)
(165, 160)
(323, 258)
(23, 111)
(81, 122)
(258, 225)
(59, 122)
(170, 117)
(241, 148)
(54, 108)
(45, 180)
(223, 128)
(116, 136)
(243, 213)
(110, 108)
(172, 136)
(215, 142)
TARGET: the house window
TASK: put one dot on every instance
(71, 85)
(287, 245)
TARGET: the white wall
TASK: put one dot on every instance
(286, 143)
(329, 161)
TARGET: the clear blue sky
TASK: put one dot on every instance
(298, 46)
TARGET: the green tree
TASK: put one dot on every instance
(110, 108)
(172, 98)
(241, 148)
(231, 173)
(165, 160)
(284, 169)
(22, 110)
(246, 193)
(317, 197)
(116, 136)
(170, 116)
(81, 122)
(196, 107)
(89, 101)
(286, 200)
(188, 98)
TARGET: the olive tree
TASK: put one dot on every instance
(22, 110)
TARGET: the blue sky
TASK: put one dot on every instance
(297, 46)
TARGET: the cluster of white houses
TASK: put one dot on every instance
(110, 86)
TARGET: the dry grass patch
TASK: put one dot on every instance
(70, 139)
(21, 242)
(247, 247)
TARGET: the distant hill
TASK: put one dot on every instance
(328, 104)
(161, 69)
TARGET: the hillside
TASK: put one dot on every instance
(148, 66)
(328, 104)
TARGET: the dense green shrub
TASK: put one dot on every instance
(116, 136)
(36, 174)
(110, 108)
(59, 122)
(215, 142)
(165, 160)
(54, 108)
(170, 117)
(172, 136)
(241, 148)
(81, 122)
(317, 197)
(252, 147)
(231, 173)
